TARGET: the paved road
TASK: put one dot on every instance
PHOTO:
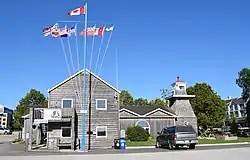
(228, 154)
(6, 138)
(8, 149)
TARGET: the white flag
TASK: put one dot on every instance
(110, 28)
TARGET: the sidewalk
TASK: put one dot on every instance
(198, 145)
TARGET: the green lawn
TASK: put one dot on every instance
(201, 141)
(207, 141)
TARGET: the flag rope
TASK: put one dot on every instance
(70, 53)
(78, 62)
(99, 52)
(105, 52)
(117, 69)
(92, 50)
(91, 57)
(65, 55)
(73, 68)
(69, 70)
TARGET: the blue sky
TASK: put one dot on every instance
(200, 41)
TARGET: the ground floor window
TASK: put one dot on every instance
(66, 132)
(101, 131)
(144, 124)
(66, 129)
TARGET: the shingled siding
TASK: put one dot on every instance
(156, 124)
(109, 117)
(184, 112)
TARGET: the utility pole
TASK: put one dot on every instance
(31, 128)
(89, 132)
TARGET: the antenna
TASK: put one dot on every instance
(116, 54)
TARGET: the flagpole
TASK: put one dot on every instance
(116, 53)
(83, 147)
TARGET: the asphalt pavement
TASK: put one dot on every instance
(8, 149)
(225, 154)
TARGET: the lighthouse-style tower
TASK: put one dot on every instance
(179, 102)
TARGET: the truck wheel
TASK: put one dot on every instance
(157, 145)
(170, 146)
(192, 146)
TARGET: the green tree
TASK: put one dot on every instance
(209, 108)
(158, 103)
(243, 81)
(126, 98)
(34, 97)
(140, 102)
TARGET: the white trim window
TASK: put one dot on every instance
(67, 103)
(144, 124)
(101, 104)
(101, 132)
(66, 132)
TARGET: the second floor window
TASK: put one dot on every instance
(101, 104)
(242, 106)
(235, 107)
(67, 103)
(231, 108)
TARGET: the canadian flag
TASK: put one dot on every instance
(77, 11)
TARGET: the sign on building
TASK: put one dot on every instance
(52, 114)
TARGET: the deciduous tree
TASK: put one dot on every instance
(243, 81)
(34, 97)
(158, 103)
(126, 98)
(209, 108)
(140, 102)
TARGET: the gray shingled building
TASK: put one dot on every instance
(179, 112)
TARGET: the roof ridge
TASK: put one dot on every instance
(79, 72)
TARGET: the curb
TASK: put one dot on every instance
(198, 145)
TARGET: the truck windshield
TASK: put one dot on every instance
(185, 129)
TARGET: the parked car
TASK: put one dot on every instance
(1, 130)
(177, 136)
(7, 131)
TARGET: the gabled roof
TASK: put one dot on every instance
(79, 72)
(235, 101)
(146, 110)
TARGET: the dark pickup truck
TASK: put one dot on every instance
(176, 136)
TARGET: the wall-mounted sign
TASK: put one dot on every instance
(52, 114)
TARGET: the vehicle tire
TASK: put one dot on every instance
(170, 146)
(192, 146)
(157, 145)
(5, 133)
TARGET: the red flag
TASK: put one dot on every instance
(77, 11)
(99, 31)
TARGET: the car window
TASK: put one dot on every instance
(171, 130)
(165, 131)
(162, 131)
(185, 129)
(1, 128)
